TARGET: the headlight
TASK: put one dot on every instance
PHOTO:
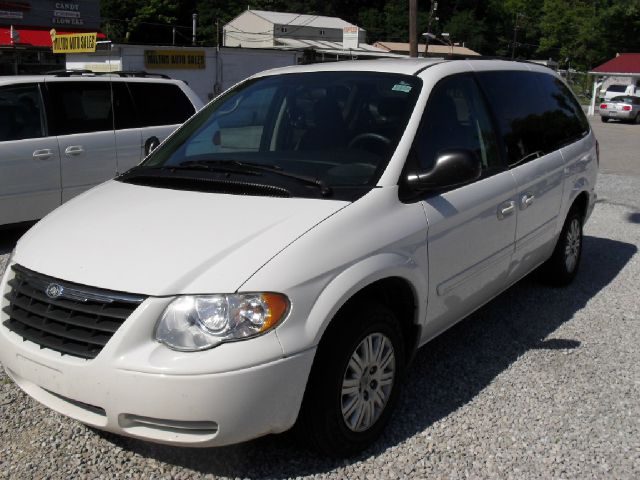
(198, 322)
(9, 259)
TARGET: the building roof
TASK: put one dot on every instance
(400, 47)
(622, 64)
(300, 20)
(329, 47)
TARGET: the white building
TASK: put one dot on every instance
(324, 35)
(207, 70)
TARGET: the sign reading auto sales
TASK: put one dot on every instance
(182, 59)
(73, 42)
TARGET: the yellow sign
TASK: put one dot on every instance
(180, 59)
(73, 42)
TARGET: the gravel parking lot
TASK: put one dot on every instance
(540, 383)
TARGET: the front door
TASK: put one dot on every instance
(472, 228)
(29, 158)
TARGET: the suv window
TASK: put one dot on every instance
(160, 104)
(21, 112)
(238, 129)
(566, 120)
(536, 113)
(455, 117)
(80, 107)
(125, 115)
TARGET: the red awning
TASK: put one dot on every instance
(32, 36)
(625, 63)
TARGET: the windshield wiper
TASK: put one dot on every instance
(212, 166)
(236, 166)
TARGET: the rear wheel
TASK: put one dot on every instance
(355, 381)
(604, 119)
(562, 267)
(637, 119)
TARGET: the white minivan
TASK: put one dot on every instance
(61, 134)
(280, 258)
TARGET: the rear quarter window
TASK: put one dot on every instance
(160, 104)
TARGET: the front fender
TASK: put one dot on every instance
(296, 335)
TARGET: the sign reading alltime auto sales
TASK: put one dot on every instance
(73, 42)
(182, 59)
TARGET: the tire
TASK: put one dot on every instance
(563, 265)
(346, 407)
(604, 119)
(637, 119)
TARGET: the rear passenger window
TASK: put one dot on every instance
(455, 118)
(125, 115)
(21, 113)
(160, 104)
(536, 113)
(80, 107)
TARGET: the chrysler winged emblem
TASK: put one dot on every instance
(54, 290)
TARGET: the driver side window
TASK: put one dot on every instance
(455, 118)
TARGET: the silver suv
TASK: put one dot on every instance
(62, 134)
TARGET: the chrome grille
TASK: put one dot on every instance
(78, 321)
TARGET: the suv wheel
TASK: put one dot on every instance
(355, 381)
(562, 267)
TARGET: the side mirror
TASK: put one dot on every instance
(452, 168)
(150, 145)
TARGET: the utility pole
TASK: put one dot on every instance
(432, 16)
(193, 36)
(515, 35)
(413, 28)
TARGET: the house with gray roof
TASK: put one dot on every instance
(324, 35)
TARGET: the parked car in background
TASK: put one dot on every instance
(62, 134)
(614, 91)
(280, 258)
(623, 108)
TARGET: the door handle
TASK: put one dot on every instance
(526, 200)
(42, 154)
(506, 209)
(74, 150)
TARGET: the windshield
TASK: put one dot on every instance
(327, 134)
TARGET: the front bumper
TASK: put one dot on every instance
(140, 388)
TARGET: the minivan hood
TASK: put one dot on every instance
(156, 241)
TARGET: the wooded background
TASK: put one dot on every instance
(576, 33)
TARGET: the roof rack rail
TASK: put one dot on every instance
(137, 73)
(68, 73)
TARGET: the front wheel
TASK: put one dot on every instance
(562, 267)
(354, 382)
